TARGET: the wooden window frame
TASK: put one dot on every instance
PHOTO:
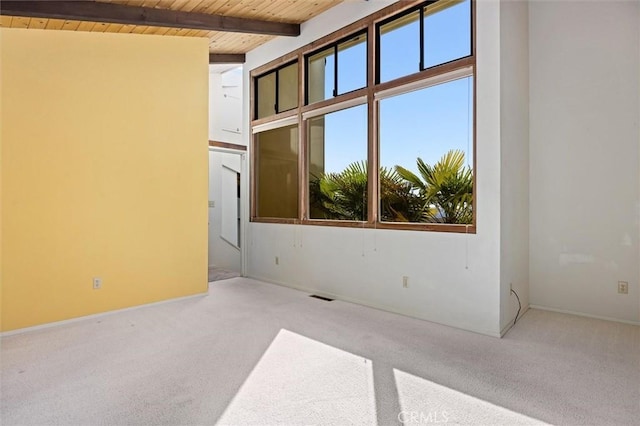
(418, 8)
(369, 24)
(321, 112)
(276, 88)
(253, 186)
(336, 66)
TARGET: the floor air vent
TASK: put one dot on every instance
(326, 299)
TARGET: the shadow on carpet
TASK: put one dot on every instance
(219, 274)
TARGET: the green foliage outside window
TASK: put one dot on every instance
(439, 193)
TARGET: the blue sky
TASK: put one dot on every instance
(424, 123)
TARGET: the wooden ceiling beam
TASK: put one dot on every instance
(136, 15)
(226, 58)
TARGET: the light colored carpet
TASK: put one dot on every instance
(219, 274)
(255, 353)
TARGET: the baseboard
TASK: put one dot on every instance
(371, 305)
(583, 314)
(98, 315)
(510, 325)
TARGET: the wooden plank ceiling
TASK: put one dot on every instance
(289, 11)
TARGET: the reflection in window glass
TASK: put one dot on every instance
(277, 91)
(288, 87)
(426, 154)
(352, 64)
(277, 172)
(320, 75)
(338, 165)
(266, 94)
(447, 34)
(400, 47)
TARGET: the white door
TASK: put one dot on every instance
(225, 210)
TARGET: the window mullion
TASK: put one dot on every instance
(376, 56)
(372, 133)
(303, 160)
(256, 99)
(303, 178)
(373, 192)
(304, 100)
(335, 70)
(276, 106)
(421, 36)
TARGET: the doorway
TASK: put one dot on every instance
(226, 208)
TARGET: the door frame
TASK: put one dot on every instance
(229, 148)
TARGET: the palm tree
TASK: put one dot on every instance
(343, 195)
(340, 196)
(398, 201)
(446, 188)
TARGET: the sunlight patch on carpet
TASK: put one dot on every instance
(302, 381)
(424, 402)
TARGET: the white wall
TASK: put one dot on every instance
(585, 191)
(514, 165)
(454, 278)
(225, 105)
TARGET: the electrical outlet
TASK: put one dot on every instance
(405, 282)
(97, 283)
(623, 287)
(277, 260)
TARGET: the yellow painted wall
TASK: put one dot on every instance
(104, 172)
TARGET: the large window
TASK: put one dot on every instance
(395, 61)
(276, 167)
(428, 175)
(446, 34)
(430, 35)
(398, 155)
(338, 178)
(277, 91)
(337, 69)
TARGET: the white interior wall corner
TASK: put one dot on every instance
(573, 265)
(514, 194)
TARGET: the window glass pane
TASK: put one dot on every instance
(277, 172)
(288, 87)
(352, 64)
(338, 165)
(447, 34)
(426, 169)
(320, 76)
(400, 47)
(266, 89)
